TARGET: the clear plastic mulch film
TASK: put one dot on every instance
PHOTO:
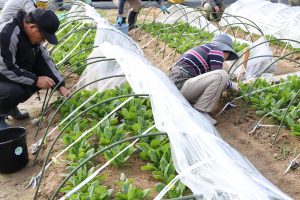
(105, 32)
(260, 61)
(276, 19)
(205, 163)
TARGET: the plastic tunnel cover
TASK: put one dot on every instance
(281, 21)
(105, 32)
(220, 171)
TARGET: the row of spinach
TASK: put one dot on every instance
(183, 36)
(275, 101)
(132, 119)
(77, 38)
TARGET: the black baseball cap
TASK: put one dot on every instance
(47, 22)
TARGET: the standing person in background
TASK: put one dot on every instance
(133, 6)
(213, 9)
(25, 65)
(199, 73)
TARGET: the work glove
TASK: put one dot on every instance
(235, 87)
(119, 21)
(164, 9)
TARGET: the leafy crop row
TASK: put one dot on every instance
(132, 119)
(182, 36)
(275, 100)
(280, 43)
(70, 42)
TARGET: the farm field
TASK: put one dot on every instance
(145, 168)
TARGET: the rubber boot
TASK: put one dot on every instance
(3, 124)
(17, 114)
(131, 20)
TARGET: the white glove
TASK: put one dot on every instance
(235, 87)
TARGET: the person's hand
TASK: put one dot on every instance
(119, 21)
(164, 9)
(235, 87)
(44, 82)
(217, 9)
(63, 91)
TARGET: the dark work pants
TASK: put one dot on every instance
(11, 94)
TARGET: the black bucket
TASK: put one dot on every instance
(13, 149)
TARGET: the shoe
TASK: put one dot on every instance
(132, 27)
(17, 114)
(131, 20)
(3, 124)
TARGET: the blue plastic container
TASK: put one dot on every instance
(123, 28)
(13, 149)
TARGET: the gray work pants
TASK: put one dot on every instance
(205, 90)
(130, 5)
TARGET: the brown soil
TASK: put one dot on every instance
(270, 160)
(132, 170)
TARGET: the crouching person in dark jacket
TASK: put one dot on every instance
(25, 66)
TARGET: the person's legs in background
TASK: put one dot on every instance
(218, 16)
(208, 10)
(135, 6)
(125, 10)
(210, 13)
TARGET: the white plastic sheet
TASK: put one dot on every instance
(205, 163)
(260, 61)
(95, 71)
(281, 21)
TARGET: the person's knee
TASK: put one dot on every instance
(221, 75)
(19, 93)
(16, 93)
